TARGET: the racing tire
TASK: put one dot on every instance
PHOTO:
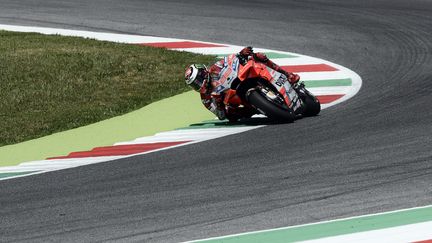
(312, 105)
(271, 110)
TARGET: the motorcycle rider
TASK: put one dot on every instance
(205, 81)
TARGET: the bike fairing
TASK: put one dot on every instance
(224, 72)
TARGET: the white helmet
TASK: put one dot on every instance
(196, 76)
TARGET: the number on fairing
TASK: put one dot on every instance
(279, 83)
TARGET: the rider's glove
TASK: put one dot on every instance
(219, 101)
(217, 106)
(293, 78)
(246, 52)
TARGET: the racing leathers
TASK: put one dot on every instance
(213, 100)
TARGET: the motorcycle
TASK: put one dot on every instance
(253, 85)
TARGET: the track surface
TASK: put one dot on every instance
(370, 154)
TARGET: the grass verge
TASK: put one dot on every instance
(164, 115)
(52, 83)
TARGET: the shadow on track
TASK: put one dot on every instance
(254, 121)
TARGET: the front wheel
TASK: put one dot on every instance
(268, 108)
(311, 103)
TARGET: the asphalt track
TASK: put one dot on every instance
(370, 154)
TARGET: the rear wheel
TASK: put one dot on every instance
(269, 107)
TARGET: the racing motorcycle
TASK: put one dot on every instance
(254, 85)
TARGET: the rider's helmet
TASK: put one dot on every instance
(196, 76)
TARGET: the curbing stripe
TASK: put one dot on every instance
(211, 51)
(331, 228)
(271, 55)
(14, 174)
(120, 150)
(197, 135)
(181, 44)
(400, 234)
(120, 38)
(309, 68)
(299, 60)
(328, 82)
(336, 90)
(325, 76)
(327, 99)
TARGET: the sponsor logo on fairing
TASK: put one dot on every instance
(235, 64)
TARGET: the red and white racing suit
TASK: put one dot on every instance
(213, 101)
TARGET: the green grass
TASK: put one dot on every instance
(52, 83)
